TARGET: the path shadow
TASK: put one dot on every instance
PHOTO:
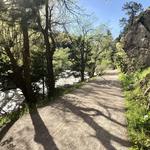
(42, 135)
(109, 107)
(88, 90)
(105, 81)
(99, 113)
(102, 135)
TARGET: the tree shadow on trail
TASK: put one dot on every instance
(106, 83)
(101, 134)
(107, 107)
(42, 135)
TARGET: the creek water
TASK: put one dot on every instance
(12, 99)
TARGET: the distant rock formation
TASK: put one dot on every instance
(137, 41)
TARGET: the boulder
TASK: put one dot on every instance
(137, 41)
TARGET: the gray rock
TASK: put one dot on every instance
(137, 40)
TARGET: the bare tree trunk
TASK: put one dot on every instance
(83, 59)
(82, 75)
(50, 72)
(27, 90)
(82, 66)
(49, 54)
(93, 67)
(17, 76)
(50, 46)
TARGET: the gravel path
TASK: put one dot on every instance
(90, 118)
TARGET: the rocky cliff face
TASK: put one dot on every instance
(137, 40)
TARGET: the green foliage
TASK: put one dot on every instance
(142, 74)
(131, 10)
(126, 80)
(138, 112)
(80, 52)
(38, 65)
(61, 61)
(102, 65)
(121, 58)
(102, 50)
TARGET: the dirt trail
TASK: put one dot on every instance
(90, 118)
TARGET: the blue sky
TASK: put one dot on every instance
(109, 12)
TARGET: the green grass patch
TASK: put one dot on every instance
(138, 113)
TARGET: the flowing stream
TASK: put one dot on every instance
(12, 99)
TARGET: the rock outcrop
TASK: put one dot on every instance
(137, 41)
